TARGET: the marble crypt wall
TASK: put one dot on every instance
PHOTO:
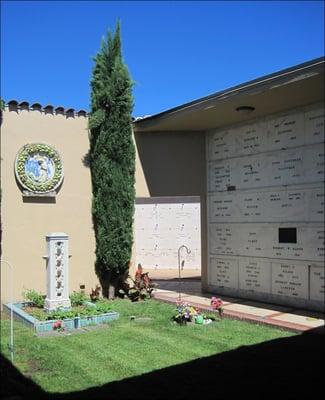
(266, 208)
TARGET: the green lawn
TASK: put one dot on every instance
(125, 347)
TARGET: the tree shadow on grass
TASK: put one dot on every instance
(280, 368)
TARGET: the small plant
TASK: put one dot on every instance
(139, 288)
(36, 298)
(78, 298)
(84, 311)
(103, 307)
(95, 293)
(61, 314)
(217, 304)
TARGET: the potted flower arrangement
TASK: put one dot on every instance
(217, 304)
(186, 313)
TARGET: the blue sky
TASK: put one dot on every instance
(176, 51)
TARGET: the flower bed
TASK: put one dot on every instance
(74, 322)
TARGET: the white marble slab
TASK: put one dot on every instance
(223, 273)
(262, 240)
(317, 281)
(283, 167)
(272, 205)
(285, 131)
(160, 228)
(314, 125)
(290, 280)
(250, 138)
(255, 275)
(280, 131)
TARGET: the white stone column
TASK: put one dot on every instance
(57, 271)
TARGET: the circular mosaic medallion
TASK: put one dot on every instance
(39, 168)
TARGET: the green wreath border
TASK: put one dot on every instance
(28, 150)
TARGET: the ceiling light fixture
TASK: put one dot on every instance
(245, 109)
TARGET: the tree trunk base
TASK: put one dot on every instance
(111, 283)
(109, 286)
(111, 291)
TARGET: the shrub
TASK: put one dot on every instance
(139, 288)
(36, 298)
(78, 298)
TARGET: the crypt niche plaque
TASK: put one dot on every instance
(255, 275)
(39, 169)
(290, 280)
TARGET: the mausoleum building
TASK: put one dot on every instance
(237, 176)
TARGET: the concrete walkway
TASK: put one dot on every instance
(269, 314)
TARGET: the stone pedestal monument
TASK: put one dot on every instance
(57, 272)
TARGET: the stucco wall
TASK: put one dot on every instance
(167, 164)
(25, 222)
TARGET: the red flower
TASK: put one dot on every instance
(216, 303)
(57, 325)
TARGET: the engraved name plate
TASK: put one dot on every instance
(224, 273)
(290, 280)
(317, 281)
(255, 275)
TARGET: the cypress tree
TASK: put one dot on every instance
(112, 164)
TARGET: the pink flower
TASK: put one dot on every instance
(216, 303)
